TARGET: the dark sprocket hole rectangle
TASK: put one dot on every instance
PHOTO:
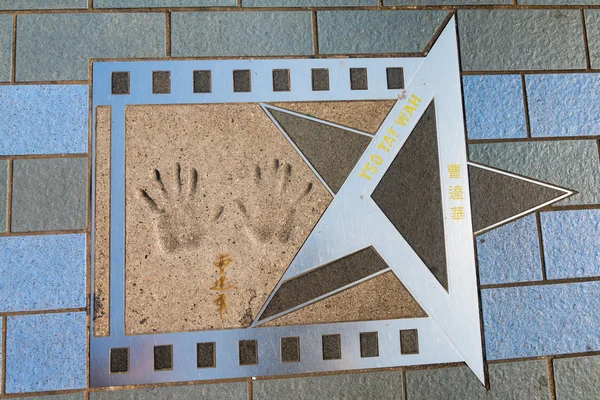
(248, 352)
(119, 83)
(119, 360)
(358, 79)
(161, 82)
(395, 78)
(281, 80)
(332, 347)
(409, 341)
(202, 82)
(369, 344)
(290, 349)
(163, 357)
(320, 79)
(241, 80)
(206, 355)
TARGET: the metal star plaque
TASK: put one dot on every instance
(288, 216)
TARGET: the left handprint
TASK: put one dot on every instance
(180, 218)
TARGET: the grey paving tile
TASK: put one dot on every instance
(241, 33)
(592, 26)
(5, 46)
(571, 243)
(577, 378)
(163, 3)
(45, 52)
(49, 194)
(221, 391)
(442, 2)
(308, 3)
(3, 193)
(547, 95)
(365, 31)
(73, 396)
(45, 352)
(572, 164)
(539, 320)
(515, 380)
(510, 253)
(41, 4)
(557, 2)
(520, 39)
(374, 385)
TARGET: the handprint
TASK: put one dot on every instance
(179, 216)
(272, 215)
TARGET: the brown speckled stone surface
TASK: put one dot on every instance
(364, 116)
(379, 298)
(243, 192)
(102, 223)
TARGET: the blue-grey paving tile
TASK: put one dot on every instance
(592, 26)
(571, 243)
(45, 352)
(72, 396)
(540, 320)
(58, 46)
(513, 380)
(577, 378)
(520, 39)
(49, 194)
(308, 3)
(163, 3)
(42, 272)
(253, 33)
(41, 4)
(494, 106)
(221, 391)
(3, 193)
(549, 94)
(510, 253)
(442, 2)
(572, 164)
(43, 119)
(365, 31)
(5, 46)
(374, 385)
(558, 2)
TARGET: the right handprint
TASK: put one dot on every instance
(272, 215)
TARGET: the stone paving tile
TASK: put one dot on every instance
(250, 33)
(592, 26)
(513, 380)
(43, 119)
(41, 4)
(374, 385)
(494, 106)
(572, 164)
(72, 396)
(221, 391)
(45, 53)
(442, 2)
(5, 46)
(539, 320)
(163, 3)
(510, 253)
(577, 378)
(42, 272)
(520, 39)
(571, 243)
(548, 95)
(3, 193)
(45, 352)
(367, 32)
(49, 194)
(308, 3)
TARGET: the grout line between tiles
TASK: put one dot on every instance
(167, 34)
(41, 233)
(538, 223)
(3, 366)
(38, 156)
(532, 139)
(540, 283)
(525, 106)
(404, 388)
(36, 312)
(585, 42)
(551, 382)
(88, 236)
(13, 50)
(249, 388)
(315, 35)
(9, 187)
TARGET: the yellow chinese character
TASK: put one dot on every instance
(456, 193)
(222, 261)
(220, 284)
(454, 170)
(221, 303)
(457, 213)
